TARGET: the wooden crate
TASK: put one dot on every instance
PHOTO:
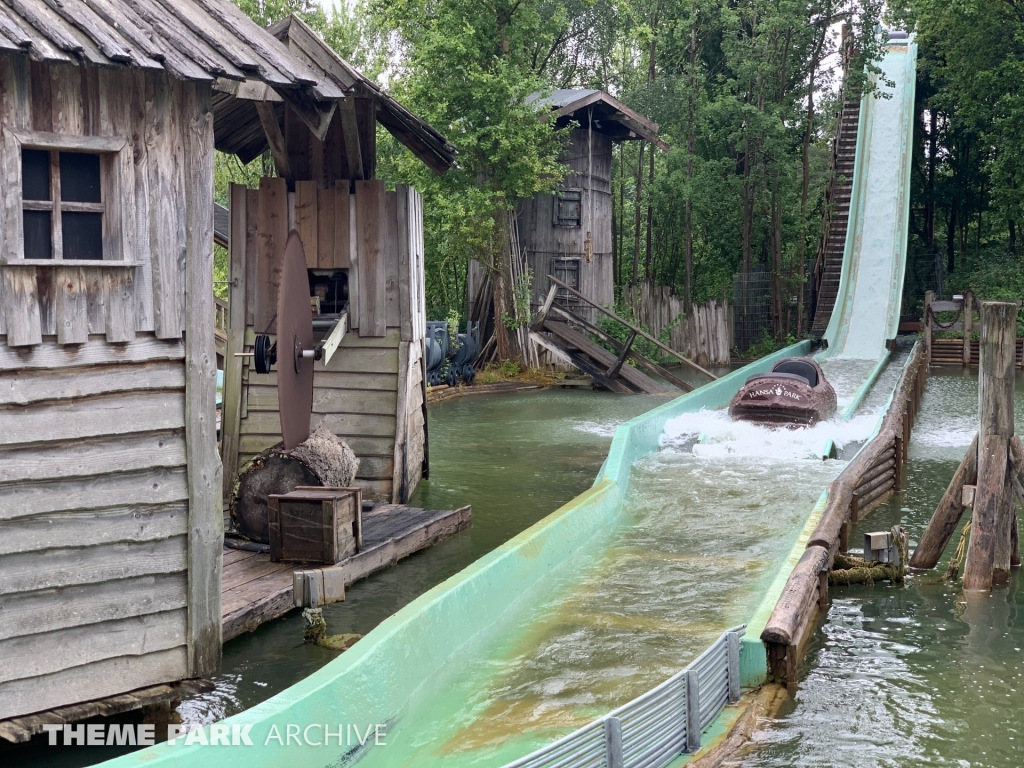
(315, 524)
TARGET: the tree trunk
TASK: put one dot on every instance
(507, 347)
(636, 216)
(651, 74)
(951, 240)
(805, 161)
(691, 144)
(777, 287)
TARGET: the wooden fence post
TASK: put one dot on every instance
(967, 309)
(988, 554)
(929, 297)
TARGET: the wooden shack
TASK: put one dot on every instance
(110, 482)
(568, 234)
(364, 254)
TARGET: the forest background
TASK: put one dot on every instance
(745, 93)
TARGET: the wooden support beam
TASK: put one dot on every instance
(642, 362)
(947, 514)
(232, 396)
(350, 131)
(630, 326)
(617, 365)
(538, 321)
(929, 297)
(205, 517)
(315, 114)
(275, 139)
(968, 312)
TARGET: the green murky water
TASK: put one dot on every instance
(910, 675)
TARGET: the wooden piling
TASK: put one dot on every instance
(988, 553)
(929, 297)
(968, 314)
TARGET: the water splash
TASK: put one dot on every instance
(715, 434)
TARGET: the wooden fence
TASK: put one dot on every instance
(703, 336)
(865, 484)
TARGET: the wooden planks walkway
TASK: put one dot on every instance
(255, 590)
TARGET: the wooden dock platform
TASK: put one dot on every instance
(254, 590)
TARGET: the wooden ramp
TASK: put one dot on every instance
(599, 363)
(254, 590)
(618, 371)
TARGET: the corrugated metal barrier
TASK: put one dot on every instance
(658, 726)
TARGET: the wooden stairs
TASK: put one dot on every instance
(829, 264)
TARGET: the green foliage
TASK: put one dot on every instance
(220, 272)
(466, 69)
(228, 169)
(766, 345)
(453, 328)
(520, 315)
(641, 346)
(968, 186)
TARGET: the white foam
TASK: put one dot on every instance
(721, 435)
(599, 428)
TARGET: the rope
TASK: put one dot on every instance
(953, 571)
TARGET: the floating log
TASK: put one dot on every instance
(947, 515)
(322, 459)
(988, 552)
(848, 569)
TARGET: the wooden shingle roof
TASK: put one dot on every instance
(610, 115)
(214, 41)
(237, 126)
(201, 40)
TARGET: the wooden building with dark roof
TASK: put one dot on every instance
(568, 234)
(110, 481)
(364, 254)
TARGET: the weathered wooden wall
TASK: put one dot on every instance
(589, 157)
(370, 394)
(109, 478)
(145, 110)
(702, 335)
(93, 521)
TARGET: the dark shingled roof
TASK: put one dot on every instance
(199, 40)
(213, 41)
(610, 115)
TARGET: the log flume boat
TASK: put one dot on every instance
(793, 392)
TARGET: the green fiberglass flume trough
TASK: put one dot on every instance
(867, 309)
(372, 682)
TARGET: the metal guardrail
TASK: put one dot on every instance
(658, 726)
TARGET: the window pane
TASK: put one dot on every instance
(37, 235)
(83, 235)
(35, 174)
(79, 178)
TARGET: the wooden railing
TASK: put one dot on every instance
(963, 351)
(865, 484)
